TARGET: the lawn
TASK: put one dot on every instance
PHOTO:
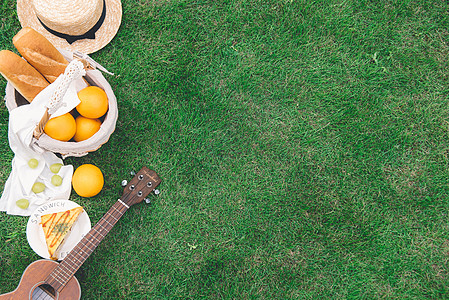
(303, 148)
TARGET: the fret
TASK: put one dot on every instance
(79, 260)
(78, 250)
(117, 210)
(113, 223)
(86, 246)
(100, 235)
(114, 218)
(113, 206)
(61, 270)
(79, 257)
(88, 242)
(133, 193)
(123, 203)
(73, 261)
(109, 223)
(55, 278)
(120, 214)
(70, 259)
(98, 232)
(75, 257)
(96, 238)
(61, 278)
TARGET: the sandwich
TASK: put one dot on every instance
(57, 226)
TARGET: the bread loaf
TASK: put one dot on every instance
(40, 53)
(25, 79)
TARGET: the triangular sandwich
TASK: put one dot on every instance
(56, 227)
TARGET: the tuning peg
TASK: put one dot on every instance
(147, 200)
(156, 192)
(124, 182)
(132, 173)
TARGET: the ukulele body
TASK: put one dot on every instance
(33, 285)
(34, 276)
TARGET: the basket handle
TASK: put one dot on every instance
(74, 70)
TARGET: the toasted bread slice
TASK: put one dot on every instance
(56, 227)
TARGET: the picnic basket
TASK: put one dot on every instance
(13, 99)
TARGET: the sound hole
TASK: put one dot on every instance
(44, 292)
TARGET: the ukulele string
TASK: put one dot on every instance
(116, 215)
(95, 234)
(41, 292)
(41, 295)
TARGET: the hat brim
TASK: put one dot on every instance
(103, 36)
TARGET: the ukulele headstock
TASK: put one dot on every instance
(142, 184)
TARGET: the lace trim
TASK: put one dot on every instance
(73, 71)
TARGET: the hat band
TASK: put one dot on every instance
(90, 34)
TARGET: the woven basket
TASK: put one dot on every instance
(13, 99)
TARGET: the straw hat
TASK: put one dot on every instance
(83, 25)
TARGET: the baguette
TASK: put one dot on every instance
(40, 53)
(25, 79)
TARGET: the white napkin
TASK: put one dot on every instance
(22, 122)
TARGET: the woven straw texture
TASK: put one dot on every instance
(72, 20)
(83, 14)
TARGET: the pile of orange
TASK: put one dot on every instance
(94, 104)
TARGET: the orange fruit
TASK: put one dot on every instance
(85, 128)
(87, 180)
(61, 128)
(94, 102)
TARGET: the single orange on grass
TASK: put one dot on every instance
(85, 128)
(87, 180)
(94, 102)
(61, 128)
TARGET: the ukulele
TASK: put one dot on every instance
(47, 279)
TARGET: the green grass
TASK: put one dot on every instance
(303, 148)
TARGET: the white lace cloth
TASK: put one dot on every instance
(22, 122)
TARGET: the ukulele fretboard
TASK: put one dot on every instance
(73, 261)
